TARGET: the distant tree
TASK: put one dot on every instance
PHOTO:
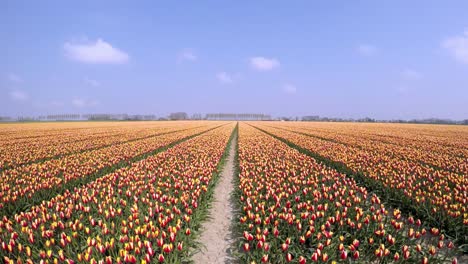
(196, 116)
(178, 116)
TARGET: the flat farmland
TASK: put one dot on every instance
(301, 192)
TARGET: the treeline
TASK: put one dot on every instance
(78, 117)
(219, 116)
(371, 120)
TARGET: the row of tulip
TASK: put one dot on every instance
(296, 210)
(438, 196)
(143, 213)
(20, 131)
(16, 152)
(27, 185)
(18, 139)
(449, 154)
(441, 138)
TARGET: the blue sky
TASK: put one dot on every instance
(383, 59)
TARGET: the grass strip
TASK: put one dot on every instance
(236, 230)
(203, 212)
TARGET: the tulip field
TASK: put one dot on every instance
(305, 192)
(429, 180)
(296, 209)
(140, 213)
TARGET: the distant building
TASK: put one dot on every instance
(25, 118)
(61, 117)
(366, 120)
(311, 118)
(246, 117)
(117, 117)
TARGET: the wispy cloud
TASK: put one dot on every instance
(224, 77)
(411, 75)
(95, 52)
(14, 78)
(264, 64)
(57, 103)
(19, 96)
(187, 55)
(367, 49)
(91, 82)
(403, 89)
(289, 88)
(80, 103)
(458, 46)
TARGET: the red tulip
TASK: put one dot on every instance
(432, 250)
(343, 254)
(259, 244)
(180, 246)
(325, 257)
(356, 243)
(418, 247)
(302, 240)
(275, 232)
(356, 255)
(161, 258)
(424, 260)
(246, 247)
(314, 257)
(150, 251)
(302, 260)
(406, 254)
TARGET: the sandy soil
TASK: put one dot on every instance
(216, 234)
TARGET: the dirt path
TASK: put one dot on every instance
(216, 233)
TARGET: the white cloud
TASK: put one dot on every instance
(224, 77)
(78, 102)
(289, 88)
(410, 74)
(264, 64)
(14, 78)
(187, 55)
(367, 50)
(19, 96)
(458, 47)
(95, 52)
(91, 82)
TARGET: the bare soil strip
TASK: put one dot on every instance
(215, 237)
